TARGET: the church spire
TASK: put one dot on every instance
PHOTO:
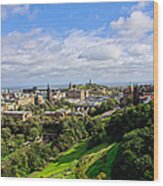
(70, 86)
(49, 93)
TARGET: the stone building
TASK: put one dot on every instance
(39, 99)
(77, 94)
(25, 100)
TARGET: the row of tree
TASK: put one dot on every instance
(26, 160)
(15, 133)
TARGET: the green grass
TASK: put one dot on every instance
(65, 165)
(96, 148)
(63, 162)
(104, 164)
(90, 159)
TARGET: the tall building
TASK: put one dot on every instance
(136, 95)
(70, 86)
(49, 94)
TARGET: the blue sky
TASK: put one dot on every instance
(62, 17)
(58, 43)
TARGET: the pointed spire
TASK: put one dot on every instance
(70, 85)
(49, 96)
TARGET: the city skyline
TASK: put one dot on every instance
(106, 42)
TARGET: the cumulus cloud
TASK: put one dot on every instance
(36, 57)
(140, 49)
(101, 52)
(134, 26)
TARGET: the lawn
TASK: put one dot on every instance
(103, 164)
(65, 165)
(63, 162)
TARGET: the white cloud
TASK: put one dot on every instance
(26, 57)
(140, 49)
(134, 26)
(36, 57)
(101, 52)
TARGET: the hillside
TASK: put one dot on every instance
(118, 147)
(78, 161)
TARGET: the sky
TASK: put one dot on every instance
(75, 42)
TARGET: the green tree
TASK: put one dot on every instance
(33, 133)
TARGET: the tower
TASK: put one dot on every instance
(136, 95)
(49, 94)
(70, 86)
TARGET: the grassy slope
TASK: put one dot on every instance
(63, 162)
(65, 165)
(103, 164)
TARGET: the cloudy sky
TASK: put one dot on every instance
(59, 43)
